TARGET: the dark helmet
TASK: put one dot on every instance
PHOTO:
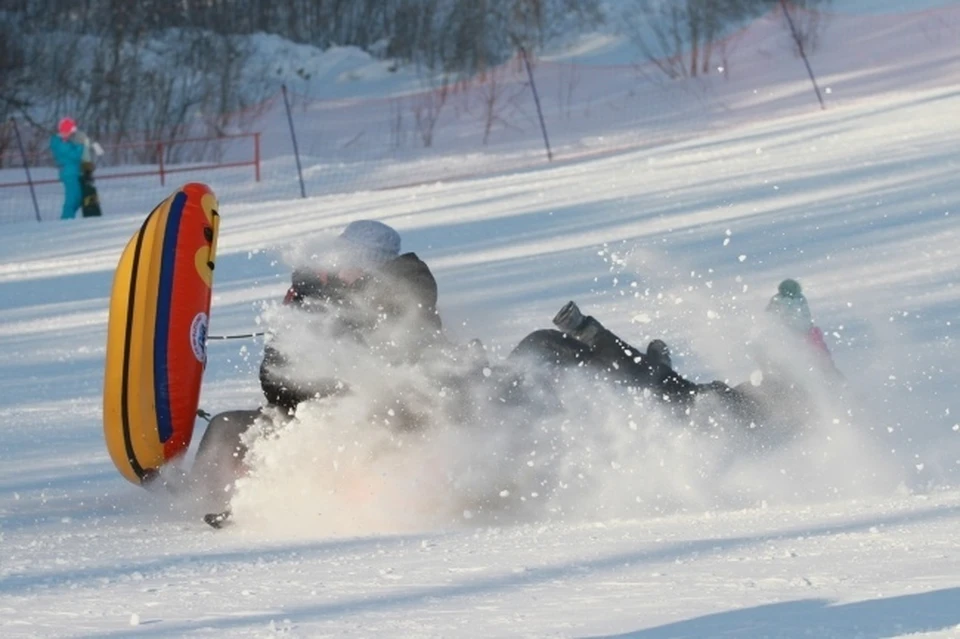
(790, 288)
(790, 306)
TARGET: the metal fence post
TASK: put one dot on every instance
(536, 99)
(23, 154)
(803, 54)
(256, 154)
(293, 136)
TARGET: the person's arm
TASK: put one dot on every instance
(818, 341)
(75, 151)
(66, 153)
(419, 288)
(281, 389)
(278, 388)
(86, 160)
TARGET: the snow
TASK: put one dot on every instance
(337, 72)
(617, 524)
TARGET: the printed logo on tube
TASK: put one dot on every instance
(198, 337)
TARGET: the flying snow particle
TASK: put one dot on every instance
(742, 258)
(134, 619)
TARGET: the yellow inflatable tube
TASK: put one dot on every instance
(156, 336)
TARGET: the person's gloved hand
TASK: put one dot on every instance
(569, 319)
(572, 322)
(716, 386)
(659, 353)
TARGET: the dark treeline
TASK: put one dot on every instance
(464, 35)
(152, 69)
(685, 38)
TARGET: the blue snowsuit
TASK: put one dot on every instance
(68, 156)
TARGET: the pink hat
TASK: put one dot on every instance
(67, 127)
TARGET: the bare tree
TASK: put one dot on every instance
(497, 95)
(13, 83)
(155, 69)
(681, 37)
(398, 133)
(808, 23)
(429, 104)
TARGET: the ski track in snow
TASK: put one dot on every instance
(851, 533)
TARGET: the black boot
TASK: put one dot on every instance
(658, 353)
(572, 322)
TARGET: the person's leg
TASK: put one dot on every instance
(621, 362)
(72, 198)
(548, 346)
(220, 455)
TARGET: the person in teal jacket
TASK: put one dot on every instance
(68, 152)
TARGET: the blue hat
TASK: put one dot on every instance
(368, 242)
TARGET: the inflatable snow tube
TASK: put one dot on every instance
(156, 335)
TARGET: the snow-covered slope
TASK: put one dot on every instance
(871, 236)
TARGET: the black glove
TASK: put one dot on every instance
(572, 322)
(658, 353)
(569, 319)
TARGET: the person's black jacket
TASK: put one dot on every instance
(401, 292)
